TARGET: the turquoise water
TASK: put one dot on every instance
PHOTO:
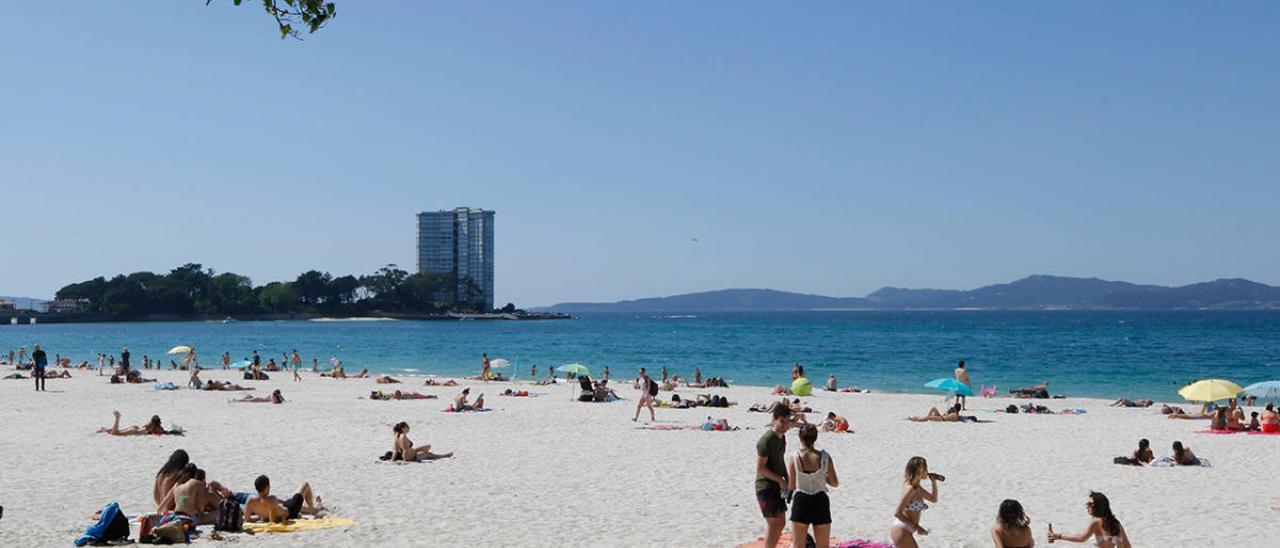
(1104, 354)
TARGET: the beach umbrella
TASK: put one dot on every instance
(499, 363)
(1265, 390)
(950, 385)
(1210, 390)
(575, 368)
(241, 363)
(180, 349)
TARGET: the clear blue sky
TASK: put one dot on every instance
(820, 147)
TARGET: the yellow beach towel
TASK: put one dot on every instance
(298, 525)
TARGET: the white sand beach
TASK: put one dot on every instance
(548, 471)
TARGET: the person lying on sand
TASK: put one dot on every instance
(275, 398)
(403, 448)
(1036, 409)
(1126, 402)
(226, 386)
(364, 373)
(433, 382)
(15, 376)
(517, 393)
(152, 428)
(853, 390)
(1040, 391)
(58, 375)
(835, 423)
(135, 377)
(952, 415)
(264, 507)
(385, 379)
(398, 395)
(460, 401)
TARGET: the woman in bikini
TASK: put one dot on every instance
(275, 397)
(1182, 456)
(152, 428)
(906, 519)
(1105, 529)
(167, 477)
(1013, 527)
(405, 450)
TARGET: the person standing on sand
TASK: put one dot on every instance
(40, 361)
(296, 362)
(315, 365)
(257, 360)
(11, 357)
(962, 375)
(533, 371)
(124, 362)
(771, 475)
(697, 376)
(606, 372)
(22, 356)
(226, 360)
(484, 367)
(648, 391)
(664, 373)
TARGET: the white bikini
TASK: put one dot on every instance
(913, 506)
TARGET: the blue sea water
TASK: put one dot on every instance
(1093, 353)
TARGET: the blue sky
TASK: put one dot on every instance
(821, 147)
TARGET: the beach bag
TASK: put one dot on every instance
(230, 517)
(1125, 460)
(111, 526)
(653, 388)
(1011, 409)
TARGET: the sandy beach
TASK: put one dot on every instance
(548, 471)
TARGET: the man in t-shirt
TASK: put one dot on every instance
(771, 474)
(41, 360)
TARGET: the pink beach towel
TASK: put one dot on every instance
(1212, 431)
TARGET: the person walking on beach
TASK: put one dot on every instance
(189, 361)
(484, 367)
(257, 360)
(809, 474)
(296, 362)
(648, 391)
(962, 375)
(40, 361)
(102, 362)
(771, 475)
(124, 362)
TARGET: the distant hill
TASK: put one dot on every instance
(1032, 292)
(24, 303)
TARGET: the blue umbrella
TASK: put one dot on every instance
(241, 364)
(950, 385)
(1265, 390)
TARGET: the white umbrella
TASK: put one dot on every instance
(180, 349)
(499, 363)
(1267, 390)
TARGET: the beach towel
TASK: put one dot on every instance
(1074, 411)
(112, 525)
(785, 541)
(295, 525)
(1167, 462)
(1260, 433)
(450, 409)
(1212, 431)
(862, 543)
(166, 386)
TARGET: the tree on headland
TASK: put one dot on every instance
(192, 289)
(312, 14)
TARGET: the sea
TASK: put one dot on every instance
(1083, 353)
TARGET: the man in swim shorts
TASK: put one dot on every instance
(271, 509)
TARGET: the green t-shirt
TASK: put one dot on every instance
(773, 447)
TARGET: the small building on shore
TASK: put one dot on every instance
(66, 306)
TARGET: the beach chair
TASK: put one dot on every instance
(987, 392)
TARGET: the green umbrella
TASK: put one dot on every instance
(575, 368)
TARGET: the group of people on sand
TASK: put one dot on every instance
(1231, 418)
(1143, 456)
(182, 491)
(804, 479)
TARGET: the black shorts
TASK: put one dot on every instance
(811, 509)
(294, 506)
(770, 500)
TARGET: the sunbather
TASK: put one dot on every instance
(952, 415)
(168, 475)
(519, 393)
(403, 448)
(460, 401)
(226, 386)
(835, 423)
(398, 395)
(433, 382)
(274, 398)
(264, 507)
(1126, 402)
(1040, 391)
(1183, 456)
(152, 428)
(189, 494)
(385, 379)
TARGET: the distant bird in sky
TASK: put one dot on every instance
(695, 240)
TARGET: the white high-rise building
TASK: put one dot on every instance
(458, 242)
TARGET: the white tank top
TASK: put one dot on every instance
(811, 483)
